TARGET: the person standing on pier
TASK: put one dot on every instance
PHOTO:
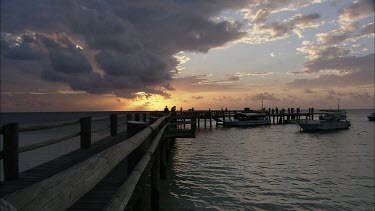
(166, 110)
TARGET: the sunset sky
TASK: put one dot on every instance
(70, 55)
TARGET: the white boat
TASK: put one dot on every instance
(371, 117)
(248, 118)
(329, 120)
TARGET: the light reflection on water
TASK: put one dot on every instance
(273, 168)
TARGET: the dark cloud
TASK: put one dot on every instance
(332, 38)
(120, 47)
(24, 51)
(357, 10)
(201, 83)
(197, 97)
(322, 52)
(342, 64)
(351, 71)
(362, 96)
(331, 92)
(261, 9)
(308, 91)
(265, 96)
(367, 30)
(283, 29)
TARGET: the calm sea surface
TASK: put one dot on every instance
(273, 168)
(263, 168)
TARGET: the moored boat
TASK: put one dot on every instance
(328, 120)
(248, 118)
(371, 117)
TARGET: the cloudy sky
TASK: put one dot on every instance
(76, 55)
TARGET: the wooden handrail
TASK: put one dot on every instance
(62, 190)
(33, 127)
(125, 191)
(46, 143)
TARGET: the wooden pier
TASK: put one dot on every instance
(119, 172)
(277, 116)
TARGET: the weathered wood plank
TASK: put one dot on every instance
(62, 190)
(123, 195)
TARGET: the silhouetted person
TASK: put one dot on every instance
(277, 110)
(166, 110)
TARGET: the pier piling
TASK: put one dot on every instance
(85, 132)
(113, 124)
(10, 150)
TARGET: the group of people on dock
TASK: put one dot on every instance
(173, 110)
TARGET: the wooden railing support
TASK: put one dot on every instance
(136, 117)
(129, 117)
(155, 183)
(113, 124)
(194, 123)
(85, 132)
(133, 127)
(10, 149)
(152, 119)
(163, 159)
(145, 117)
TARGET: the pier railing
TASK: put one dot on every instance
(62, 190)
(10, 133)
(140, 153)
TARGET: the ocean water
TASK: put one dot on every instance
(273, 168)
(262, 168)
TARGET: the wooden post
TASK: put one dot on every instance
(298, 116)
(163, 158)
(10, 150)
(205, 123)
(145, 117)
(155, 183)
(292, 111)
(133, 127)
(136, 117)
(193, 123)
(167, 148)
(128, 117)
(113, 124)
(199, 122)
(210, 116)
(85, 132)
(152, 119)
(312, 113)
